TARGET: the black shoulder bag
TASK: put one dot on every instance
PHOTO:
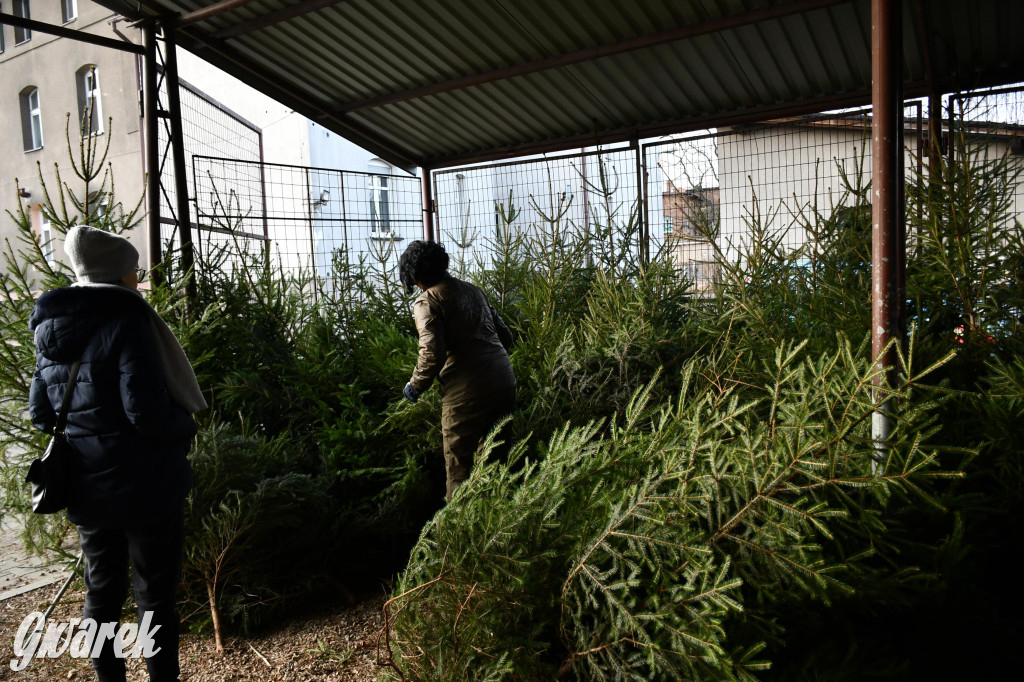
(51, 474)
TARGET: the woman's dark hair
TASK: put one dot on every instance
(423, 262)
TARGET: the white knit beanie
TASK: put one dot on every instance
(98, 255)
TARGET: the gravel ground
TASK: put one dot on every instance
(334, 645)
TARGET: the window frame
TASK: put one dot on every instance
(99, 205)
(380, 198)
(45, 236)
(86, 75)
(31, 119)
(68, 11)
(21, 8)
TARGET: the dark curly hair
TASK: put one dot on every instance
(423, 262)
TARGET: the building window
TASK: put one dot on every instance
(31, 120)
(380, 207)
(68, 10)
(1, 30)
(90, 105)
(45, 237)
(99, 203)
(21, 34)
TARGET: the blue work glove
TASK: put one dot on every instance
(410, 393)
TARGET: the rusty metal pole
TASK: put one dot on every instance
(641, 203)
(927, 38)
(150, 118)
(180, 170)
(586, 191)
(428, 206)
(934, 138)
(886, 162)
(900, 304)
(951, 127)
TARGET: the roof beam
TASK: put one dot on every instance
(243, 27)
(755, 115)
(227, 58)
(660, 129)
(640, 42)
(63, 32)
(213, 10)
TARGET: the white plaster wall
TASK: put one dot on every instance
(49, 64)
(776, 176)
(284, 131)
(285, 141)
(546, 194)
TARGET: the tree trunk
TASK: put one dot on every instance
(211, 591)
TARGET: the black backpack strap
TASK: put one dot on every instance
(65, 403)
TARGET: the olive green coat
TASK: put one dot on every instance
(462, 343)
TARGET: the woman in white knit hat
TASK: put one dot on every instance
(130, 427)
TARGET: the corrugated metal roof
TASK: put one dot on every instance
(446, 81)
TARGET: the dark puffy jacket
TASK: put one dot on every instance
(131, 440)
(462, 342)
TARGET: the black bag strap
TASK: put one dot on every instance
(65, 403)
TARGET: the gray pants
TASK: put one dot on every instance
(465, 425)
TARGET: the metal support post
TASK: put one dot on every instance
(951, 128)
(934, 139)
(151, 138)
(927, 39)
(429, 209)
(641, 196)
(311, 207)
(900, 303)
(180, 170)
(586, 190)
(887, 171)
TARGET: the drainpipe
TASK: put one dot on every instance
(887, 172)
(150, 113)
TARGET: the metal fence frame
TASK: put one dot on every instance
(788, 161)
(243, 140)
(293, 206)
(651, 178)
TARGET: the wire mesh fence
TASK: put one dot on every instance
(207, 128)
(310, 216)
(695, 199)
(992, 122)
(706, 195)
(710, 196)
(580, 195)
